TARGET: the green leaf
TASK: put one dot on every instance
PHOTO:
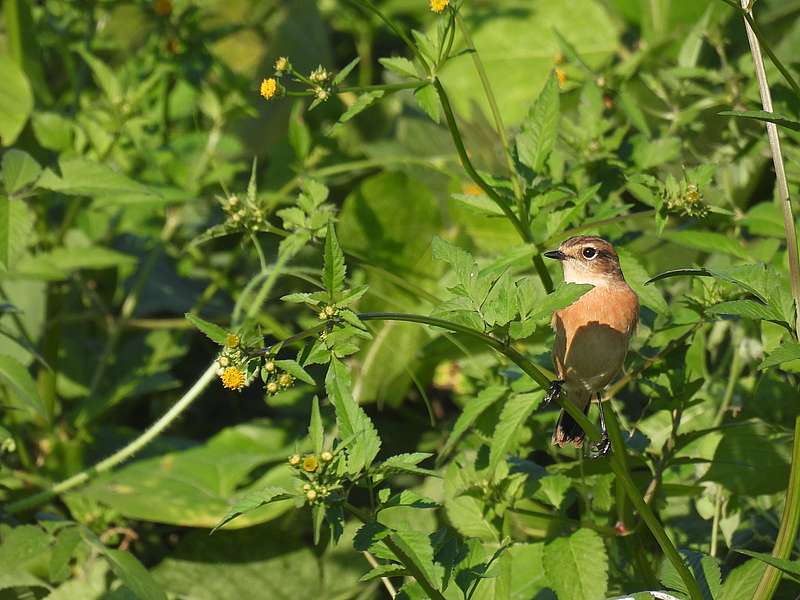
(213, 332)
(128, 568)
(16, 100)
(577, 566)
(299, 133)
(351, 419)
(197, 486)
(784, 353)
(473, 409)
(515, 412)
(540, 129)
(63, 549)
(104, 76)
(408, 464)
(789, 567)
(342, 75)
(401, 66)
(751, 459)
(16, 376)
(390, 570)
(704, 568)
(428, 101)
(553, 488)
(254, 500)
(295, 370)
(501, 306)
(745, 276)
(363, 102)
(748, 309)
(334, 267)
(564, 295)
(708, 241)
(762, 115)
(82, 177)
(19, 170)
(316, 432)
(742, 581)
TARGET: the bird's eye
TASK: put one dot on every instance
(589, 253)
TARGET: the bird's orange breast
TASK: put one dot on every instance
(592, 336)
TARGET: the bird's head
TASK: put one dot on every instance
(588, 259)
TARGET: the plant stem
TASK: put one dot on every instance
(777, 161)
(790, 520)
(715, 522)
(121, 455)
(498, 119)
(523, 231)
(617, 458)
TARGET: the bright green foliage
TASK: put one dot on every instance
(320, 333)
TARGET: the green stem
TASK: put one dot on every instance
(411, 566)
(617, 458)
(523, 231)
(387, 87)
(121, 455)
(787, 533)
(498, 119)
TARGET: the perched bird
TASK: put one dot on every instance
(592, 334)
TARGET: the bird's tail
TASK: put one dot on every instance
(567, 430)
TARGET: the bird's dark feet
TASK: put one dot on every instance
(600, 448)
(554, 391)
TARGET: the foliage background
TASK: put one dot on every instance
(135, 116)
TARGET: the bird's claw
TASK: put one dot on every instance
(554, 391)
(600, 448)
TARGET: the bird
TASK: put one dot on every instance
(591, 334)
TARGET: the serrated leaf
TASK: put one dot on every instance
(428, 101)
(129, 570)
(334, 268)
(351, 419)
(213, 332)
(16, 376)
(553, 488)
(789, 567)
(473, 409)
(564, 295)
(19, 170)
(253, 501)
(16, 99)
(391, 570)
(408, 463)
(363, 102)
(342, 75)
(400, 65)
(784, 353)
(295, 370)
(316, 432)
(704, 569)
(749, 309)
(515, 412)
(408, 498)
(577, 566)
(539, 130)
(762, 115)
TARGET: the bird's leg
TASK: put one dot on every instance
(601, 447)
(554, 391)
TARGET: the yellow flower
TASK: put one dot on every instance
(561, 76)
(310, 464)
(269, 366)
(232, 340)
(269, 88)
(326, 456)
(294, 460)
(438, 6)
(233, 378)
(162, 7)
(311, 495)
(272, 387)
(282, 64)
(285, 380)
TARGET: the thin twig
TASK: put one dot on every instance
(384, 580)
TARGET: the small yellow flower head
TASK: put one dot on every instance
(306, 487)
(282, 64)
(311, 495)
(326, 456)
(232, 341)
(269, 88)
(223, 361)
(294, 460)
(233, 378)
(561, 76)
(285, 380)
(233, 201)
(162, 7)
(438, 6)
(310, 464)
(272, 387)
(319, 75)
(330, 311)
(322, 315)
(321, 93)
(269, 366)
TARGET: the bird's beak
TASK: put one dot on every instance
(556, 254)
